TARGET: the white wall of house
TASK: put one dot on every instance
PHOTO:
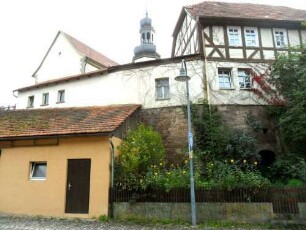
(62, 60)
(122, 87)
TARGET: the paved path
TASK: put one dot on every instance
(8, 222)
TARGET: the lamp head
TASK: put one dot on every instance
(183, 75)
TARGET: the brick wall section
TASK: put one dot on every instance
(171, 123)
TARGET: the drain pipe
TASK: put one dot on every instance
(112, 152)
(112, 168)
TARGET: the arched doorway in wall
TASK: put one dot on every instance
(267, 159)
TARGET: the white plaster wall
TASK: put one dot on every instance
(122, 87)
(293, 36)
(62, 60)
(235, 53)
(218, 35)
(303, 33)
(233, 95)
(266, 37)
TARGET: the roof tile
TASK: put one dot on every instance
(246, 11)
(63, 121)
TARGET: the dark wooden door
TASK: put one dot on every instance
(78, 186)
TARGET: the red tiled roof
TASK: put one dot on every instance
(63, 121)
(89, 52)
(245, 11)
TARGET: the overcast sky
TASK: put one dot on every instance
(109, 26)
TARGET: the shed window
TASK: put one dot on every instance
(38, 170)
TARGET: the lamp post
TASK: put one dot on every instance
(183, 77)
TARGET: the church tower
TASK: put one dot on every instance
(147, 50)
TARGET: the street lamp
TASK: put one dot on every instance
(183, 77)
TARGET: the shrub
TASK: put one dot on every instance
(142, 148)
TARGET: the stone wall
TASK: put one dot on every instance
(232, 212)
(171, 123)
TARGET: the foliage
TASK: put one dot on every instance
(167, 178)
(241, 147)
(230, 175)
(288, 76)
(287, 167)
(141, 149)
(210, 137)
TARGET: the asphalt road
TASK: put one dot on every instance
(10, 222)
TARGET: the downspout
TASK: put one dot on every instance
(112, 168)
(112, 152)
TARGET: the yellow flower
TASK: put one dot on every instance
(154, 166)
(211, 164)
(186, 161)
(168, 173)
(160, 163)
(255, 162)
(184, 172)
(232, 161)
(244, 161)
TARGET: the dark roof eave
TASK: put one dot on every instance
(51, 136)
(110, 69)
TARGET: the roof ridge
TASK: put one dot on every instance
(89, 52)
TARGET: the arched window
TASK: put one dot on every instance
(148, 37)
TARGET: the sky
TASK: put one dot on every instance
(109, 26)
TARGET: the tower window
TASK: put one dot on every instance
(148, 37)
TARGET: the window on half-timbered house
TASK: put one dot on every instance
(244, 77)
(280, 38)
(251, 38)
(225, 79)
(234, 36)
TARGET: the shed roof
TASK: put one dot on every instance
(63, 121)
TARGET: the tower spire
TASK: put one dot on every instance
(146, 50)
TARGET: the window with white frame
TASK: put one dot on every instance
(280, 38)
(61, 96)
(45, 99)
(162, 88)
(251, 37)
(38, 170)
(31, 101)
(244, 77)
(234, 36)
(225, 80)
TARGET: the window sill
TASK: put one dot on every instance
(59, 102)
(37, 179)
(162, 99)
(246, 89)
(44, 105)
(226, 88)
(30, 107)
